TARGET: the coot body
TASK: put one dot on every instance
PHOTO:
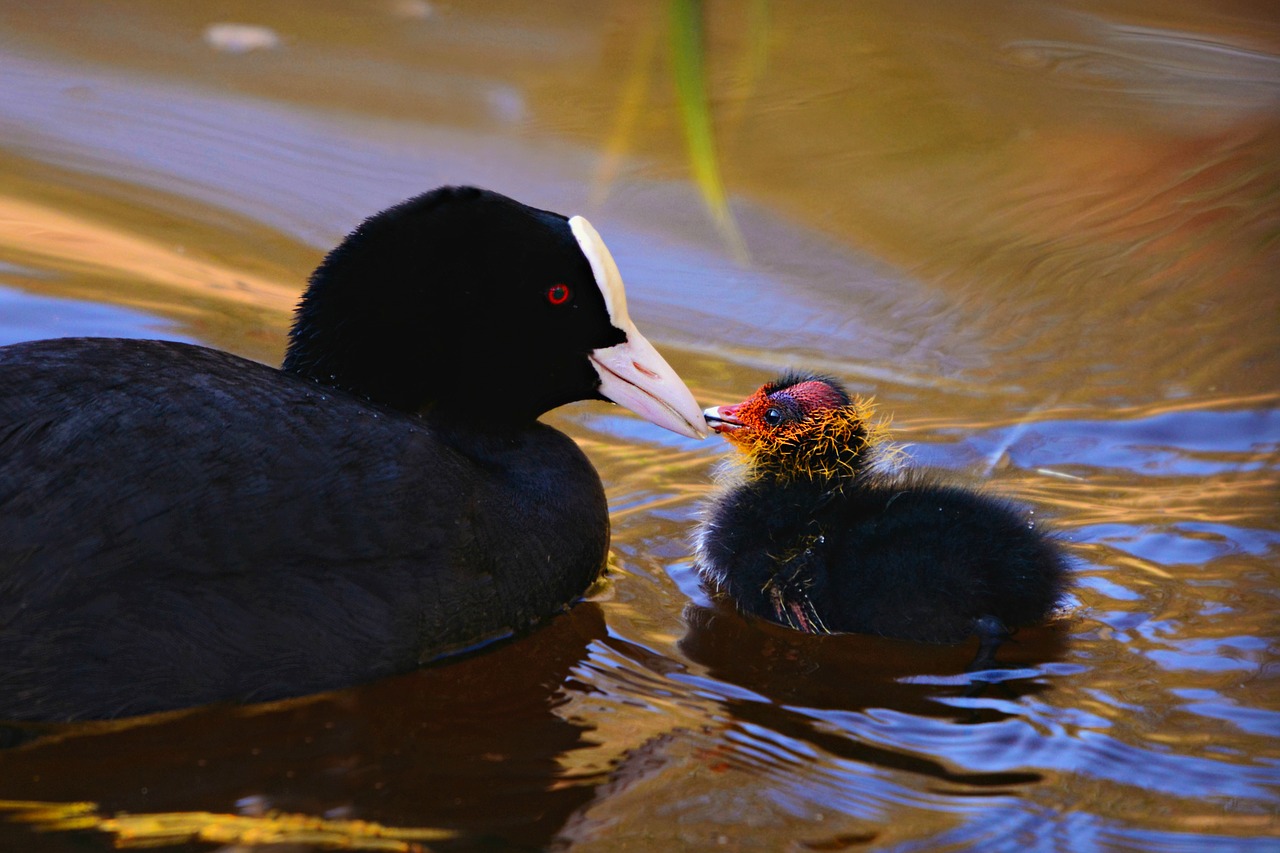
(812, 535)
(181, 526)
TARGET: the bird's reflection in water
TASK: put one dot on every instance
(470, 746)
(852, 672)
(793, 672)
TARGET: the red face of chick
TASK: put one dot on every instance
(799, 428)
(774, 409)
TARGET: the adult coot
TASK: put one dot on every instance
(180, 526)
(812, 535)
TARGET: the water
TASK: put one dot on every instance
(1044, 236)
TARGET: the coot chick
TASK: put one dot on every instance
(180, 526)
(813, 534)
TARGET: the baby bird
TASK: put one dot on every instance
(814, 535)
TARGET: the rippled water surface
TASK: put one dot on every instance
(1045, 235)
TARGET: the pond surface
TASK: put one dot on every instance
(1045, 236)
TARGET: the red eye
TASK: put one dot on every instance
(558, 294)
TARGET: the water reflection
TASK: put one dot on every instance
(19, 313)
(475, 747)
(1169, 67)
(854, 672)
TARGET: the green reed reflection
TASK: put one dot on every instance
(688, 48)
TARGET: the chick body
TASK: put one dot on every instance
(811, 534)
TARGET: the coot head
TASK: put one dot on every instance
(800, 427)
(464, 302)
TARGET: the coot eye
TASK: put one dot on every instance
(558, 294)
(773, 417)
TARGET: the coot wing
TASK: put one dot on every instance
(245, 554)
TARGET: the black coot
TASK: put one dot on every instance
(180, 526)
(810, 534)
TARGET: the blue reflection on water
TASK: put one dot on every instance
(1184, 443)
(1019, 742)
(24, 317)
(1209, 703)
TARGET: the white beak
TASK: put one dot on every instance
(632, 373)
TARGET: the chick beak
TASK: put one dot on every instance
(722, 418)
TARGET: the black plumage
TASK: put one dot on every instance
(180, 526)
(811, 534)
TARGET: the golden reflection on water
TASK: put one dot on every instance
(172, 828)
(1045, 237)
(33, 236)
